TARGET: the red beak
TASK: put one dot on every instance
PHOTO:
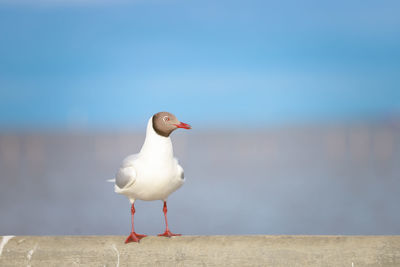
(183, 125)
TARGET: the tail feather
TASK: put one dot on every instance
(111, 180)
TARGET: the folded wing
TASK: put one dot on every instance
(125, 177)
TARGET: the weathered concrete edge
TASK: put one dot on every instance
(286, 250)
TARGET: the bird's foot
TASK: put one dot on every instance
(134, 237)
(168, 233)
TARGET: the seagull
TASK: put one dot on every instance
(153, 173)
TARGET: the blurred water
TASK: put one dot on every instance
(341, 179)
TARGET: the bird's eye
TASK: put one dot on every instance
(166, 118)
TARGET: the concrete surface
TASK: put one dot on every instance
(201, 251)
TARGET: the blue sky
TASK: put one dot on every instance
(102, 64)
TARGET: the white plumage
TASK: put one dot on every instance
(153, 173)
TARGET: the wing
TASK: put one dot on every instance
(181, 173)
(126, 175)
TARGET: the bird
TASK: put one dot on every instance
(153, 173)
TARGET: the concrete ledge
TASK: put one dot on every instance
(201, 251)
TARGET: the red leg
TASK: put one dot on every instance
(167, 232)
(133, 237)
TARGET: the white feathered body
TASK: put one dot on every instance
(153, 173)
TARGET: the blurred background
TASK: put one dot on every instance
(295, 109)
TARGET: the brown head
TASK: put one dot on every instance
(164, 123)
